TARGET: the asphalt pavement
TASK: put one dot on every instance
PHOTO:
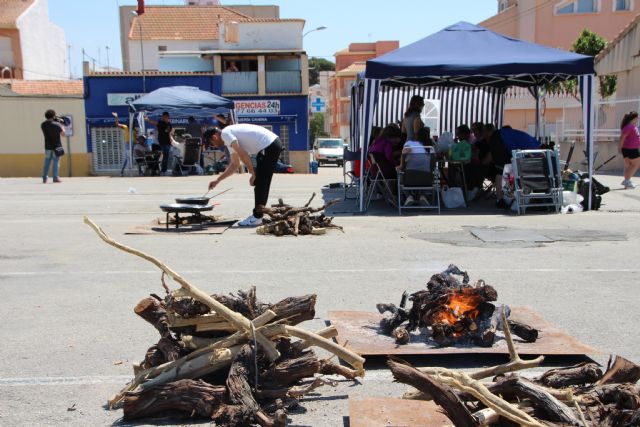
(70, 336)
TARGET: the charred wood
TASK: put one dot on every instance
(580, 374)
(189, 398)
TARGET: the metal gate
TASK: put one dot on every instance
(108, 149)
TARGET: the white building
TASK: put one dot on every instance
(31, 47)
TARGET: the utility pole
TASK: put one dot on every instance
(107, 48)
(69, 60)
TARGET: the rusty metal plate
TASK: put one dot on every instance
(360, 329)
(388, 411)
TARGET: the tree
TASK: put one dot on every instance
(588, 43)
(315, 66)
(316, 127)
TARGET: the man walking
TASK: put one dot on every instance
(165, 131)
(243, 141)
(52, 131)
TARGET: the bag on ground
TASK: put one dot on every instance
(453, 197)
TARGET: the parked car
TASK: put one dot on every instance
(329, 150)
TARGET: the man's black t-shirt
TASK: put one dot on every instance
(51, 133)
(164, 129)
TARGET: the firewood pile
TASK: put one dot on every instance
(452, 312)
(282, 219)
(228, 358)
(579, 395)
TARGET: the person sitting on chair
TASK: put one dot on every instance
(383, 148)
(416, 165)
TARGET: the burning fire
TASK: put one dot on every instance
(460, 305)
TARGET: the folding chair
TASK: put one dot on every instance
(377, 182)
(426, 180)
(538, 180)
(192, 148)
(349, 175)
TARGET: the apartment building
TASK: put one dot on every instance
(350, 62)
(556, 23)
(256, 59)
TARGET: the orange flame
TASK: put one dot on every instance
(459, 305)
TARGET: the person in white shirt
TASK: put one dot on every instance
(243, 141)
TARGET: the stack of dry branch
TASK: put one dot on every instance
(578, 395)
(229, 358)
(452, 311)
(283, 219)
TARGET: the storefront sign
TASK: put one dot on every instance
(121, 99)
(262, 107)
(267, 119)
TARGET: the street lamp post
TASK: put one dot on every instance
(309, 142)
(322, 27)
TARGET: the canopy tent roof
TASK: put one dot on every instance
(464, 54)
(187, 99)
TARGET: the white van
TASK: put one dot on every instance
(329, 150)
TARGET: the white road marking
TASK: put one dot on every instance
(84, 380)
(320, 270)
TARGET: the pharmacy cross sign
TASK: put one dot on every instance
(318, 105)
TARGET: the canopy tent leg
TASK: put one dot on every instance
(370, 101)
(587, 92)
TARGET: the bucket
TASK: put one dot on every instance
(313, 167)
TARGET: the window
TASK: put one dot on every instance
(502, 6)
(162, 48)
(577, 6)
(622, 5)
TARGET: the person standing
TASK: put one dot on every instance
(194, 128)
(125, 141)
(243, 141)
(629, 147)
(165, 131)
(52, 130)
(411, 122)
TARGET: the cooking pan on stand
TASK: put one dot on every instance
(199, 200)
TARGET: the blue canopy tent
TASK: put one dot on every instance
(467, 55)
(188, 100)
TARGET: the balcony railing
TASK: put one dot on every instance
(284, 82)
(240, 82)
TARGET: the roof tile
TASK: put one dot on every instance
(47, 87)
(182, 22)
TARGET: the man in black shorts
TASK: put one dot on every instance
(165, 132)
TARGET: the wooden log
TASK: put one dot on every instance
(290, 371)
(552, 408)
(240, 322)
(243, 408)
(187, 397)
(623, 396)
(151, 310)
(622, 371)
(580, 374)
(526, 332)
(295, 309)
(442, 395)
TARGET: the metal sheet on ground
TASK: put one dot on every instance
(158, 226)
(360, 330)
(388, 411)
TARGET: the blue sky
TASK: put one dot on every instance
(94, 25)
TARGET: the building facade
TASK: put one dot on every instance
(31, 47)
(350, 62)
(255, 58)
(558, 23)
(23, 104)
